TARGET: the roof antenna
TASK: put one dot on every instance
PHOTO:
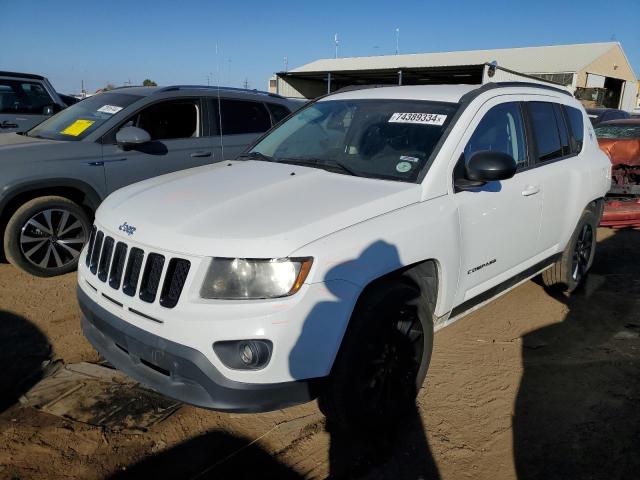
(219, 104)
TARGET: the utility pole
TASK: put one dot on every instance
(397, 41)
(286, 64)
(336, 42)
(246, 84)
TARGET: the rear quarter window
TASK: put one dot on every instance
(576, 124)
(278, 112)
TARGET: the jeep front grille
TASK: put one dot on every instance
(122, 267)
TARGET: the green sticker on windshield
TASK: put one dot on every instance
(403, 167)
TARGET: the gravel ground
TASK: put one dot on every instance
(532, 386)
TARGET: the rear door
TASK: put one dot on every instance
(559, 168)
(241, 123)
(499, 222)
(180, 139)
(24, 104)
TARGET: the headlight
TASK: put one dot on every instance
(239, 278)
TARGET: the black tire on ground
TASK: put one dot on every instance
(384, 356)
(44, 236)
(570, 271)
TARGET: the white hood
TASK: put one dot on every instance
(249, 209)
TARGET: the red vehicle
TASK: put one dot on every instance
(620, 139)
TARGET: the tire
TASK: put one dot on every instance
(383, 359)
(570, 271)
(45, 236)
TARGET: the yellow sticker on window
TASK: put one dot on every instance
(77, 127)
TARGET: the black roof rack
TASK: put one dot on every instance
(23, 75)
(173, 88)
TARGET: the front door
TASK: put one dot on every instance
(178, 141)
(500, 221)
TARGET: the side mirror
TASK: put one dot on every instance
(129, 137)
(51, 109)
(486, 166)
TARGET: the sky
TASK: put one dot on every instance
(233, 42)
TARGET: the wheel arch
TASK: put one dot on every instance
(72, 189)
(427, 274)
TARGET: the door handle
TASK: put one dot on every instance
(201, 154)
(7, 124)
(530, 190)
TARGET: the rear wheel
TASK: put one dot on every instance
(568, 273)
(383, 359)
(45, 236)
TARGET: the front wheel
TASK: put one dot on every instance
(570, 271)
(45, 236)
(383, 359)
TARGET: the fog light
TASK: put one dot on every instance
(244, 354)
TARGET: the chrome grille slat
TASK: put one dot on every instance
(131, 270)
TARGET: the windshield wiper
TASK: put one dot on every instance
(257, 156)
(317, 163)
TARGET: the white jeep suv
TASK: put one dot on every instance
(320, 263)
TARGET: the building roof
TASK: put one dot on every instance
(549, 59)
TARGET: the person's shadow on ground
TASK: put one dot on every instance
(401, 451)
(577, 410)
(24, 351)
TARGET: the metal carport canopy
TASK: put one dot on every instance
(466, 74)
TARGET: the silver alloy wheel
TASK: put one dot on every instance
(52, 238)
(582, 253)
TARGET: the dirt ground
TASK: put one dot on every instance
(532, 386)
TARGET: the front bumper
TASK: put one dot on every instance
(179, 371)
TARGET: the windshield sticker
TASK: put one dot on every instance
(407, 158)
(403, 167)
(419, 118)
(77, 127)
(110, 109)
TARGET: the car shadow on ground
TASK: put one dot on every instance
(577, 412)
(24, 352)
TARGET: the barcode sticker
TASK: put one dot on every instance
(110, 109)
(419, 118)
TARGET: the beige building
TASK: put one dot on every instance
(598, 73)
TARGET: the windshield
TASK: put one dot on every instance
(82, 118)
(390, 139)
(618, 131)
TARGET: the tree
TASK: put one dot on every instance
(149, 83)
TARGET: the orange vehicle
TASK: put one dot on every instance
(620, 140)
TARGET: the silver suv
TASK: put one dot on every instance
(54, 176)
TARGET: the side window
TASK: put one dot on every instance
(501, 130)
(278, 112)
(23, 97)
(576, 123)
(240, 116)
(545, 130)
(170, 120)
